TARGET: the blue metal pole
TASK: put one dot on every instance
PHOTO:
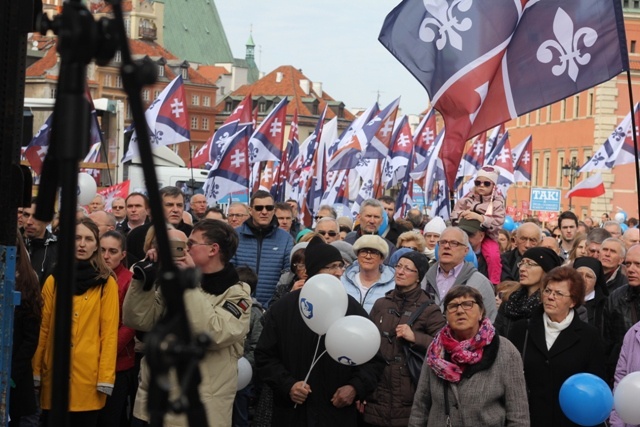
(9, 298)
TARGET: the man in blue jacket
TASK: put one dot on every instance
(264, 246)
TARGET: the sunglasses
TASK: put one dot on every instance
(260, 208)
(479, 183)
(330, 233)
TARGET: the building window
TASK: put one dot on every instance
(563, 109)
(145, 95)
(107, 80)
(537, 116)
(590, 104)
(127, 26)
(129, 114)
(117, 57)
(546, 168)
(228, 106)
(576, 106)
(206, 101)
(195, 99)
(185, 73)
(548, 120)
(118, 81)
(262, 107)
(205, 123)
(156, 94)
(534, 172)
(559, 170)
(194, 122)
(632, 49)
(160, 70)
(53, 92)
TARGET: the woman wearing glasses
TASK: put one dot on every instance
(368, 278)
(472, 377)
(534, 264)
(555, 344)
(391, 402)
(293, 279)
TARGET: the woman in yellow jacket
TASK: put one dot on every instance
(94, 333)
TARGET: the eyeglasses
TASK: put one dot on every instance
(117, 207)
(557, 236)
(370, 252)
(299, 266)
(548, 292)
(260, 208)
(451, 243)
(331, 233)
(408, 247)
(237, 215)
(479, 183)
(527, 264)
(400, 267)
(191, 244)
(533, 240)
(335, 266)
(318, 217)
(466, 306)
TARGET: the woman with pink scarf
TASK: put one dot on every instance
(473, 376)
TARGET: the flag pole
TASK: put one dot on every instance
(635, 136)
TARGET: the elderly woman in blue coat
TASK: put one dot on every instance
(368, 278)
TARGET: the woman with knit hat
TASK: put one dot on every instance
(432, 232)
(391, 403)
(534, 264)
(485, 203)
(368, 278)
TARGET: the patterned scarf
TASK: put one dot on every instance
(520, 305)
(463, 353)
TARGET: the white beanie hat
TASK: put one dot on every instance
(436, 225)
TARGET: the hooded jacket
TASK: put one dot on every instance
(377, 290)
(266, 251)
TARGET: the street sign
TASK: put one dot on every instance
(544, 199)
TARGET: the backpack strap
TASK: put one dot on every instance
(418, 312)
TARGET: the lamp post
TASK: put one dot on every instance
(571, 171)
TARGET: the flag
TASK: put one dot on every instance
(590, 187)
(618, 149)
(492, 141)
(439, 200)
(284, 174)
(522, 160)
(420, 170)
(472, 160)
(378, 132)
(502, 160)
(267, 175)
(117, 190)
(347, 151)
(397, 162)
(404, 200)
(230, 172)
(266, 142)
(39, 145)
(485, 62)
(423, 139)
(93, 156)
(240, 117)
(167, 119)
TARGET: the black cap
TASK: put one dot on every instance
(318, 255)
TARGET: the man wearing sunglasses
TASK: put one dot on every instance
(263, 245)
(329, 229)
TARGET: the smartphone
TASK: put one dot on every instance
(178, 248)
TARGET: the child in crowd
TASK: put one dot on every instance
(485, 203)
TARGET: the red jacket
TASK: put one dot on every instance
(126, 355)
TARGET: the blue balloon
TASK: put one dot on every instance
(624, 227)
(586, 399)
(385, 223)
(469, 257)
(509, 224)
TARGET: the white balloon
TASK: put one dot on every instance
(625, 398)
(352, 340)
(86, 188)
(245, 372)
(322, 301)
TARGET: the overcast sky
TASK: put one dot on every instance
(333, 41)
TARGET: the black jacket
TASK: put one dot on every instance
(26, 331)
(618, 280)
(43, 254)
(577, 349)
(283, 356)
(510, 260)
(619, 317)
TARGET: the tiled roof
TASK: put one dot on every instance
(289, 86)
(193, 31)
(212, 72)
(127, 6)
(41, 67)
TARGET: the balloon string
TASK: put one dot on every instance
(313, 363)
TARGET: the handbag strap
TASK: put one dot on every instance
(418, 312)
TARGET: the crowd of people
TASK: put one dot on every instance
(496, 320)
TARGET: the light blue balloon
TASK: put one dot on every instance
(586, 399)
(624, 227)
(470, 257)
(509, 224)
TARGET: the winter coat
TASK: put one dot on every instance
(469, 276)
(377, 290)
(577, 349)
(94, 342)
(225, 318)
(26, 330)
(628, 362)
(43, 254)
(510, 260)
(126, 358)
(505, 320)
(491, 393)
(255, 330)
(617, 280)
(595, 308)
(284, 355)
(479, 204)
(266, 251)
(619, 317)
(390, 404)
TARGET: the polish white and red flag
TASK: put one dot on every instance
(117, 190)
(590, 187)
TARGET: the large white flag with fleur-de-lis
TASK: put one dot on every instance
(485, 62)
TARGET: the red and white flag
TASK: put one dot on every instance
(590, 187)
(110, 193)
